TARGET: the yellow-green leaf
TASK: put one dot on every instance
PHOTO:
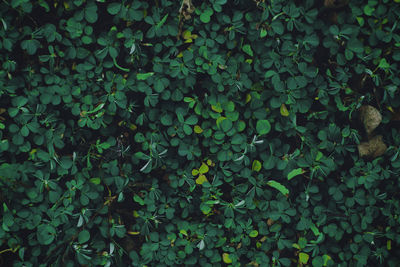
(183, 231)
(253, 233)
(133, 233)
(226, 258)
(294, 173)
(132, 126)
(144, 76)
(197, 129)
(303, 257)
(326, 258)
(201, 179)
(203, 168)
(195, 172)
(187, 35)
(248, 98)
(217, 107)
(281, 188)
(256, 166)
(319, 156)
(95, 180)
(284, 110)
(219, 120)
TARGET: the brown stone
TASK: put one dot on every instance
(370, 117)
(374, 148)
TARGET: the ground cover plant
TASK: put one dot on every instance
(199, 133)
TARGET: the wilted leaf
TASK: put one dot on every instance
(186, 9)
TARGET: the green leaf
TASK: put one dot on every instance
(187, 129)
(24, 131)
(114, 8)
(263, 127)
(205, 17)
(30, 46)
(191, 120)
(83, 236)
(270, 73)
(45, 234)
(91, 13)
(368, 10)
(383, 64)
(95, 180)
(226, 125)
(166, 120)
(13, 112)
(294, 173)
(263, 33)
(355, 45)
(164, 19)
(277, 26)
(281, 188)
(144, 76)
(247, 49)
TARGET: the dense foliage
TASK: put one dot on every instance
(199, 133)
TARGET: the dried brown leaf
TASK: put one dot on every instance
(374, 148)
(335, 3)
(370, 117)
(187, 8)
(396, 115)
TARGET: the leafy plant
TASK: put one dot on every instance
(199, 133)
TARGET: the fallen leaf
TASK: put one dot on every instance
(187, 8)
(374, 148)
(335, 3)
(370, 117)
(395, 114)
